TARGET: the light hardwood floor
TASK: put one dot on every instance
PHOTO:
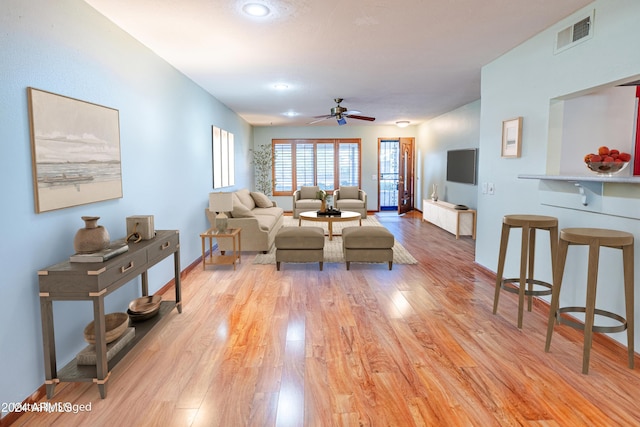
(417, 345)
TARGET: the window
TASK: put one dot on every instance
(327, 163)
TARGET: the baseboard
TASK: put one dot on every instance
(185, 272)
(12, 417)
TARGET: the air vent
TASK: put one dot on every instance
(574, 34)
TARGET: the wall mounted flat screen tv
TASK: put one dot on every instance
(462, 165)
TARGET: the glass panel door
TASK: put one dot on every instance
(389, 161)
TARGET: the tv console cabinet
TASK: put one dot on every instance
(446, 216)
(73, 281)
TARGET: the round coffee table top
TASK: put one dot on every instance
(345, 216)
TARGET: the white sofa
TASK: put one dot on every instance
(257, 215)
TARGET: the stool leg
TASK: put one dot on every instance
(558, 271)
(592, 282)
(627, 257)
(553, 241)
(504, 239)
(530, 276)
(524, 256)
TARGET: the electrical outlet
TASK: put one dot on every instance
(484, 188)
(491, 189)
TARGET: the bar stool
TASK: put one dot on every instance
(523, 285)
(594, 238)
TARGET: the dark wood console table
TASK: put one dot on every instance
(71, 281)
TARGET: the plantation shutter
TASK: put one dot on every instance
(325, 160)
(283, 167)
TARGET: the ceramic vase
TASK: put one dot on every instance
(323, 206)
(91, 238)
(434, 195)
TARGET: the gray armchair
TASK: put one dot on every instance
(306, 199)
(351, 198)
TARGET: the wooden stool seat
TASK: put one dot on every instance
(524, 285)
(594, 238)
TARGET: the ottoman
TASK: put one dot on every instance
(299, 244)
(367, 244)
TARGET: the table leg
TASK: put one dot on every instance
(102, 370)
(48, 341)
(176, 274)
(239, 247)
(235, 253)
(145, 283)
(330, 230)
(204, 254)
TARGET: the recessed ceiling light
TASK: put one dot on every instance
(281, 86)
(402, 123)
(290, 114)
(255, 9)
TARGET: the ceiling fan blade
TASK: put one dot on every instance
(356, 112)
(369, 119)
(320, 120)
(324, 116)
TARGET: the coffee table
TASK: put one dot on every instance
(330, 219)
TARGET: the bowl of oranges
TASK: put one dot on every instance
(607, 161)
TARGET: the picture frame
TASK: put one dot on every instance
(512, 137)
(222, 157)
(75, 151)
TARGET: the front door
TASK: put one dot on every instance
(405, 178)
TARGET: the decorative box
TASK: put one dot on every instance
(142, 225)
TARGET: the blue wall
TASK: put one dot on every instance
(522, 83)
(67, 48)
(457, 129)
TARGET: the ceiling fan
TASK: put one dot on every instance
(341, 114)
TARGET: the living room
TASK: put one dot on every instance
(165, 124)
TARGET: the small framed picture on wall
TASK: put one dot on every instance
(512, 137)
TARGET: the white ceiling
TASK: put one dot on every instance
(393, 60)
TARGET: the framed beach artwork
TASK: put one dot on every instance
(75, 151)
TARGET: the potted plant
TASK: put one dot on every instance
(262, 160)
(322, 195)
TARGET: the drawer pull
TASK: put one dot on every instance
(127, 268)
(165, 245)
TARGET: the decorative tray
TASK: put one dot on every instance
(330, 212)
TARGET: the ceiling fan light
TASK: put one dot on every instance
(402, 123)
(342, 121)
(255, 9)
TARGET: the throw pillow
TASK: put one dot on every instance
(262, 201)
(349, 192)
(246, 199)
(239, 209)
(309, 192)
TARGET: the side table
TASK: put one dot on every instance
(234, 235)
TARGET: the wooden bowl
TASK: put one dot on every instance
(141, 317)
(145, 305)
(115, 325)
